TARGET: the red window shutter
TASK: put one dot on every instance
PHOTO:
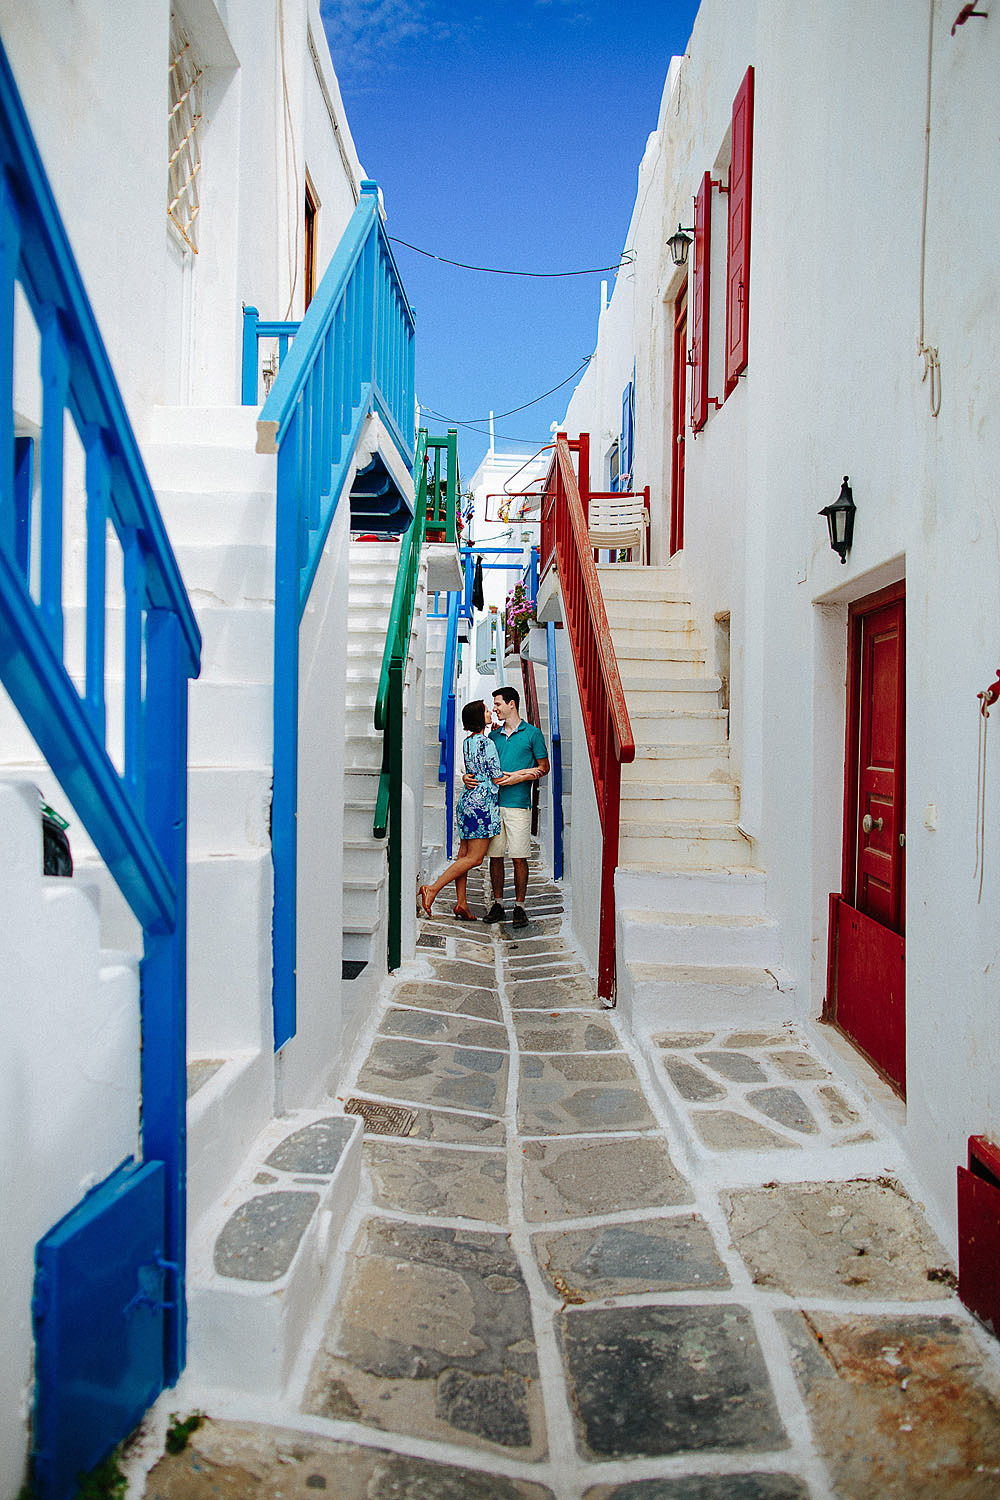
(738, 262)
(699, 323)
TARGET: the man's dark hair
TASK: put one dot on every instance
(474, 717)
(509, 695)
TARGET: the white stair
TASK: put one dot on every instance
(694, 940)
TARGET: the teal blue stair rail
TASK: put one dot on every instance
(351, 356)
(135, 813)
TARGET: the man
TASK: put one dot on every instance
(524, 760)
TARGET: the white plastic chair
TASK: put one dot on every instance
(620, 523)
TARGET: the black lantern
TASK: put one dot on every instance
(840, 519)
(678, 245)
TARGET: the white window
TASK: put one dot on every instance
(183, 203)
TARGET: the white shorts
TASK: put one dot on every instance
(514, 838)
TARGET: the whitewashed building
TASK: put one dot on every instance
(180, 177)
(836, 317)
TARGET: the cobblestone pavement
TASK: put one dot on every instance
(582, 1274)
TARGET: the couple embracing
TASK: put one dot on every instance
(494, 811)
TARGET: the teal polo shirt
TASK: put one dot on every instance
(520, 751)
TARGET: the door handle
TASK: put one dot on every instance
(902, 840)
(868, 823)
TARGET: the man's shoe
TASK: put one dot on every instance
(520, 917)
(495, 913)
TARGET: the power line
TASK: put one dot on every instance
(499, 415)
(445, 260)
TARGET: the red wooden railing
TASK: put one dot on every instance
(565, 541)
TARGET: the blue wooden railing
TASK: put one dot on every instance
(136, 816)
(351, 355)
(460, 607)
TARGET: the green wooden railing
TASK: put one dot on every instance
(435, 472)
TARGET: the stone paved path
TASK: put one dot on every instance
(579, 1274)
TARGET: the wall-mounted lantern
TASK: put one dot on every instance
(840, 519)
(678, 244)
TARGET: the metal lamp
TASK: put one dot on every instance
(840, 520)
(678, 245)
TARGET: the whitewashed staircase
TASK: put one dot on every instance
(372, 579)
(694, 941)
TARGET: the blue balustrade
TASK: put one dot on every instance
(446, 719)
(351, 355)
(136, 816)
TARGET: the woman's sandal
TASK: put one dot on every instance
(425, 904)
(464, 914)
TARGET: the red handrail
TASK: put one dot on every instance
(565, 540)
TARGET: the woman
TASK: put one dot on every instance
(477, 814)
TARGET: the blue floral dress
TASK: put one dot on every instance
(478, 810)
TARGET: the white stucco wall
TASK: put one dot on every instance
(833, 387)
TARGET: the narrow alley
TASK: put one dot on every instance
(575, 1272)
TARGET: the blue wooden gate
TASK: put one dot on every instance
(109, 1304)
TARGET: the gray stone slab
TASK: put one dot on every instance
(457, 998)
(691, 1082)
(621, 1260)
(705, 1487)
(461, 971)
(541, 1031)
(838, 1111)
(574, 1179)
(431, 940)
(735, 1066)
(901, 1408)
(563, 1094)
(798, 1064)
(432, 1336)
(258, 1242)
(422, 1074)
(555, 994)
(725, 1130)
(473, 949)
(757, 1039)
(445, 1125)
(553, 947)
(682, 1039)
(537, 927)
(858, 1239)
(244, 1461)
(438, 1026)
(647, 1381)
(473, 933)
(439, 1182)
(785, 1107)
(314, 1148)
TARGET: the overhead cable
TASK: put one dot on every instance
(445, 260)
(498, 416)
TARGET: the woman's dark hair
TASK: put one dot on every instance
(474, 717)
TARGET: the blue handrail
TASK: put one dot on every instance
(136, 817)
(351, 355)
(555, 750)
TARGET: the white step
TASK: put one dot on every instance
(680, 762)
(228, 808)
(230, 1312)
(675, 726)
(228, 426)
(363, 900)
(735, 892)
(230, 723)
(685, 938)
(237, 644)
(208, 466)
(679, 799)
(682, 696)
(233, 574)
(224, 1116)
(702, 851)
(666, 997)
(219, 517)
(364, 860)
(358, 818)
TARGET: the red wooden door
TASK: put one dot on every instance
(677, 426)
(866, 991)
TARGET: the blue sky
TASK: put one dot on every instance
(508, 135)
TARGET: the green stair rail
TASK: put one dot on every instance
(436, 474)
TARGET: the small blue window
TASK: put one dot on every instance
(628, 427)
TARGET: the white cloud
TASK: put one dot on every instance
(365, 36)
